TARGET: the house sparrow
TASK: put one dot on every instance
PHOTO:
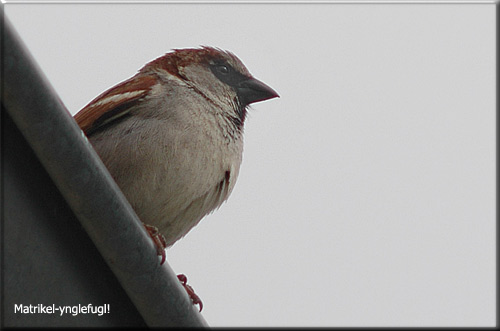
(171, 136)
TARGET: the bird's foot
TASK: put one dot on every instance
(190, 291)
(158, 240)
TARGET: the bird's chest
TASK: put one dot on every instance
(200, 156)
(183, 164)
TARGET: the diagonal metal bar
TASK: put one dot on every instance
(90, 190)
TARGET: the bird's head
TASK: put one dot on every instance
(216, 74)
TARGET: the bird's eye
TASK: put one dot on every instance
(223, 69)
(226, 73)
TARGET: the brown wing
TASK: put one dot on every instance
(114, 103)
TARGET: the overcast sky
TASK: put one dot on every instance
(367, 191)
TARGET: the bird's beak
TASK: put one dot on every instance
(253, 90)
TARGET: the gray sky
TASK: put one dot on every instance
(367, 191)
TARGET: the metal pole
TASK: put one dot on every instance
(90, 190)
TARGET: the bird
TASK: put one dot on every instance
(171, 137)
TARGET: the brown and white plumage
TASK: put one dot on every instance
(171, 136)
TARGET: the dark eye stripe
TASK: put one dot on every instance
(226, 74)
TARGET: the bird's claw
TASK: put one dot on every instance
(161, 244)
(158, 240)
(190, 291)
